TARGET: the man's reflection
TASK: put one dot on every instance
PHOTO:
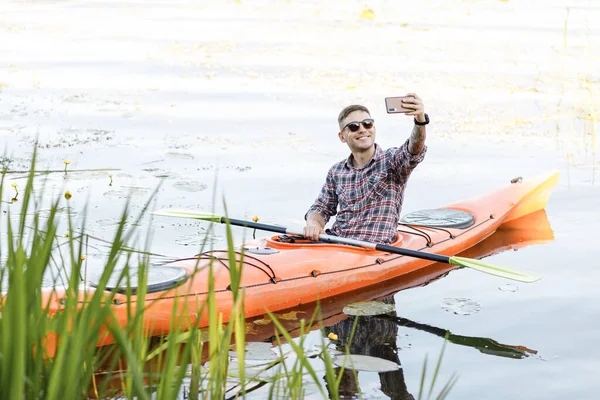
(375, 337)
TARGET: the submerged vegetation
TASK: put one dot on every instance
(55, 355)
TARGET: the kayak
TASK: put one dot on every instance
(284, 271)
(529, 230)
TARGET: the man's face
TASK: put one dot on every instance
(361, 140)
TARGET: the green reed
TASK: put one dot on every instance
(56, 357)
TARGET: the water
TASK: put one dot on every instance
(239, 100)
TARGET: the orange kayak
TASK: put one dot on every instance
(529, 230)
(280, 272)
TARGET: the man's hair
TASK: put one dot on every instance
(355, 107)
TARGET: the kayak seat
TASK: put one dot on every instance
(295, 239)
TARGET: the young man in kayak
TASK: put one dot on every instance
(369, 185)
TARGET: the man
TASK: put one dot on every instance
(369, 185)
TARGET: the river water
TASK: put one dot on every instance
(237, 102)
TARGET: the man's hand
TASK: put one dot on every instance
(415, 104)
(314, 226)
(312, 232)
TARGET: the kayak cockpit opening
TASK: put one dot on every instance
(160, 278)
(288, 241)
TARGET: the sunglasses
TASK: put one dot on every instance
(355, 125)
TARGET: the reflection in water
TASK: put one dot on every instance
(376, 337)
(484, 345)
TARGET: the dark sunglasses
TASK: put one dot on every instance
(355, 125)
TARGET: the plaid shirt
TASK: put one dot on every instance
(369, 198)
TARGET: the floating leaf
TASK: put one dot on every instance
(359, 362)
(179, 156)
(250, 328)
(368, 308)
(264, 321)
(508, 288)
(461, 306)
(290, 316)
(190, 186)
(256, 351)
(367, 13)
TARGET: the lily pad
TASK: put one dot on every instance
(360, 362)
(127, 192)
(256, 351)
(290, 316)
(179, 156)
(368, 308)
(197, 239)
(190, 186)
(263, 321)
(508, 288)
(461, 305)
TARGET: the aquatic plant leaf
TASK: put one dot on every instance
(367, 13)
(508, 288)
(460, 305)
(263, 321)
(361, 362)
(190, 186)
(290, 316)
(368, 308)
(256, 351)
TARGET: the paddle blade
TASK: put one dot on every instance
(504, 272)
(204, 216)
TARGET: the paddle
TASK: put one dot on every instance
(504, 272)
(484, 345)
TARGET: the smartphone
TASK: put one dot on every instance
(393, 105)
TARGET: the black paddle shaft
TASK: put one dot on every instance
(381, 247)
(254, 225)
(413, 253)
